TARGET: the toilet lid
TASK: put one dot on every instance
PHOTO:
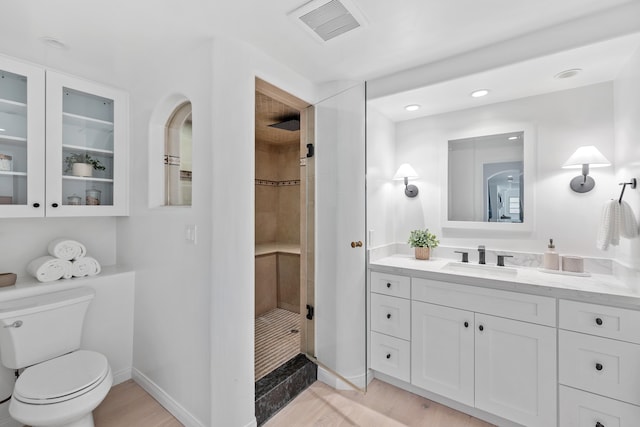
(61, 377)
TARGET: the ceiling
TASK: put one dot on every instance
(598, 62)
(397, 34)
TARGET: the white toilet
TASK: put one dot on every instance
(60, 385)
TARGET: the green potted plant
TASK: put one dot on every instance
(82, 164)
(423, 241)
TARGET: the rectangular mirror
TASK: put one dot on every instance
(488, 179)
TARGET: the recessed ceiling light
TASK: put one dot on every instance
(511, 138)
(412, 107)
(53, 42)
(567, 74)
(479, 93)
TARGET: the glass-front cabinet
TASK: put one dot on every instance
(86, 148)
(63, 144)
(22, 149)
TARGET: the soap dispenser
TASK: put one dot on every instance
(551, 259)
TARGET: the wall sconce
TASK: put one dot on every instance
(406, 172)
(584, 157)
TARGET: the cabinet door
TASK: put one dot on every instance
(442, 351)
(516, 370)
(21, 139)
(87, 123)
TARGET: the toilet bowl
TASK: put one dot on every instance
(60, 385)
(62, 391)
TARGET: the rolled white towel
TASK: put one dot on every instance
(48, 268)
(609, 230)
(85, 266)
(628, 223)
(66, 249)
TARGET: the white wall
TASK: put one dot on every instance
(173, 278)
(24, 240)
(562, 121)
(194, 303)
(235, 66)
(627, 148)
(381, 166)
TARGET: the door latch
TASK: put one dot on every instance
(309, 312)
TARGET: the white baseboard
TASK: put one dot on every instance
(253, 423)
(121, 376)
(337, 383)
(177, 410)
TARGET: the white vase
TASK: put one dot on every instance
(82, 169)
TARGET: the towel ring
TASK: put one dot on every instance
(633, 184)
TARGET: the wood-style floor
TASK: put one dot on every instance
(382, 406)
(128, 405)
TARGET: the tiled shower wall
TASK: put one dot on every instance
(277, 194)
(277, 221)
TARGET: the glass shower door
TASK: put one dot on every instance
(336, 286)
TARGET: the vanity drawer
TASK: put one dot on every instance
(582, 409)
(391, 284)
(513, 305)
(600, 365)
(601, 320)
(391, 356)
(391, 316)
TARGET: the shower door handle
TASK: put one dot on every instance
(357, 244)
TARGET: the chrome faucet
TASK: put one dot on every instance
(481, 253)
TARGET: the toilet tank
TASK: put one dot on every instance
(38, 328)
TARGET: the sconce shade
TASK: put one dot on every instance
(586, 155)
(405, 171)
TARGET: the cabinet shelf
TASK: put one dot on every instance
(89, 122)
(12, 173)
(13, 140)
(86, 178)
(12, 107)
(106, 153)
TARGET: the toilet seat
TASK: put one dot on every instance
(63, 378)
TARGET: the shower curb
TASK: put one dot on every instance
(275, 390)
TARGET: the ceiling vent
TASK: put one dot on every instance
(328, 19)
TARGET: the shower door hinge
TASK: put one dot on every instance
(309, 312)
(310, 150)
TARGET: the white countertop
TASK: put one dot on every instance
(598, 288)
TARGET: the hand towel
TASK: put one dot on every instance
(609, 230)
(85, 266)
(66, 249)
(48, 268)
(628, 223)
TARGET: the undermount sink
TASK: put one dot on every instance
(480, 269)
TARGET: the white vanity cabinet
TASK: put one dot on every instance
(463, 350)
(442, 351)
(47, 121)
(599, 365)
(390, 325)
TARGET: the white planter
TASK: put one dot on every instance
(82, 169)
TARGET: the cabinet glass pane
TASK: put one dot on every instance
(13, 139)
(87, 149)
